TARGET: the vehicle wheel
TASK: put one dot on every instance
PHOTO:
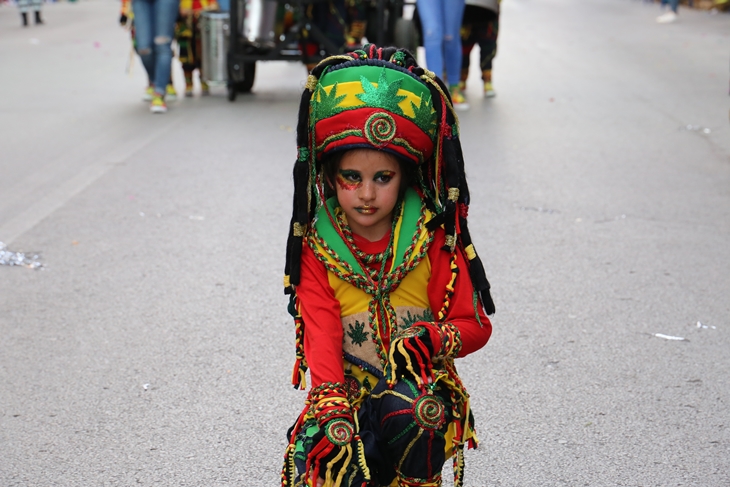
(249, 74)
(406, 35)
(231, 91)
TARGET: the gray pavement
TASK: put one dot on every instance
(154, 347)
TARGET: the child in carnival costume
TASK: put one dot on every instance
(187, 34)
(386, 287)
(480, 26)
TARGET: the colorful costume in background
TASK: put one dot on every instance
(187, 34)
(480, 26)
(379, 324)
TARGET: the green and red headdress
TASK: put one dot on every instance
(379, 98)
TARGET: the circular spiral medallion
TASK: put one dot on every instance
(379, 128)
(339, 431)
(429, 411)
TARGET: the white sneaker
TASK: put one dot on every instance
(667, 18)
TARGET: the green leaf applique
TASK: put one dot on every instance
(409, 319)
(425, 115)
(385, 95)
(357, 334)
(328, 103)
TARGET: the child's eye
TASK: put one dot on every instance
(384, 177)
(350, 176)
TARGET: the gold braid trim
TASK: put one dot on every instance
(449, 289)
(339, 56)
(311, 83)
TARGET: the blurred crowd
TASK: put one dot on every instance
(448, 30)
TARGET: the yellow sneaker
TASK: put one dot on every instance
(148, 93)
(457, 98)
(489, 90)
(170, 93)
(158, 104)
(204, 88)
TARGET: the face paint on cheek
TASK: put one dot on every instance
(346, 185)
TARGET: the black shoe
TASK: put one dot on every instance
(38, 17)
(25, 18)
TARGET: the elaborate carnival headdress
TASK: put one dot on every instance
(379, 98)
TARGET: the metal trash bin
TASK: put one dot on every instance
(256, 21)
(214, 29)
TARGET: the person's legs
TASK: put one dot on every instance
(143, 34)
(37, 4)
(453, 12)
(671, 15)
(430, 13)
(468, 40)
(24, 7)
(488, 50)
(487, 38)
(165, 13)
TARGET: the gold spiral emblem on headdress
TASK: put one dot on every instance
(379, 128)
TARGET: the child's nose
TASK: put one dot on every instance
(367, 191)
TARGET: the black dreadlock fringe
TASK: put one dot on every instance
(476, 271)
(301, 199)
(303, 121)
(453, 180)
(431, 182)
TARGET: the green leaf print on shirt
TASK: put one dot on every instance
(357, 333)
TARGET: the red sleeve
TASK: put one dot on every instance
(461, 312)
(322, 323)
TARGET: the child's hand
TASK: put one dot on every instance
(411, 355)
(333, 449)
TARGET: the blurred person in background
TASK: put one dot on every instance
(480, 26)
(154, 27)
(26, 6)
(187, 35)
(126, 19)
(670, 15)
(441, 23)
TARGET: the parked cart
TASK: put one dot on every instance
(280, 30)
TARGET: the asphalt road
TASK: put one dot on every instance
(154, 347)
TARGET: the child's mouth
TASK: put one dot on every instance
(366, 210)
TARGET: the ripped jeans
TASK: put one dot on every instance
(154, 23)
(441, 23)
